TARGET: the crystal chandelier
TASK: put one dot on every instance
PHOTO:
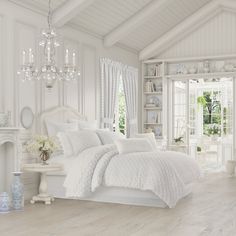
(49, 72)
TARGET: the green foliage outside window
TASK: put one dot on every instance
(122, 108)
(212, 112)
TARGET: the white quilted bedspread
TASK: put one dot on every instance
(166, 174)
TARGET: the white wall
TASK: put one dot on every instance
(19, 30)
(216, 37)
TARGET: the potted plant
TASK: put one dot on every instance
(214, 130)
(178, 140)
(42, 145)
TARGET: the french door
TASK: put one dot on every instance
(202, 111)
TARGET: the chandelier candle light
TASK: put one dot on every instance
(49, 71)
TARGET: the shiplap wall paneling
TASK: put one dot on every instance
(51, 96)
(71, 89)
(216, 37)
(89, 82)
(25, 91)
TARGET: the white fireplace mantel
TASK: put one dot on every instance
(12, 135)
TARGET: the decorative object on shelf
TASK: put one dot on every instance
(157, 131)
(159, 88)
(153, 100)
(149, 87)
(49, 71)
(192, 70)
(151, 117)
(230, 167)
(181, 69)
(157, 70)
(17, 189)
(27, 117)
(228, 67)
(43, 146)
(178, 140)
(206, 66)
(4, 203)
(151, 70)
(148, 130)
(5, 119)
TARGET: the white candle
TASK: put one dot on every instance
(73, 58)
(23, 57)
(30, 55)
(32, 58)
(48, 54)
(67, 57)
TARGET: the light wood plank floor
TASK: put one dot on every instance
(210, 210)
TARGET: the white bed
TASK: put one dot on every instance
(103, 193)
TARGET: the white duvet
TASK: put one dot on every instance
(166, 174)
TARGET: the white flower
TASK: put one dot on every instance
(42, 143)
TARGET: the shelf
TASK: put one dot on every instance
(153, 93)
(152, 77)
(153, 124)
(202, 75)
(152, 108)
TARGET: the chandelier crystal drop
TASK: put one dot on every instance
(49, 71)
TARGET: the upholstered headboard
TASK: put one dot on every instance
(58, 114)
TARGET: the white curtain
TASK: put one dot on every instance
(130, 82)
(110, 74)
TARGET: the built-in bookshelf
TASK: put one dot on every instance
(153, 98)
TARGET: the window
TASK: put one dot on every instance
(119, 124)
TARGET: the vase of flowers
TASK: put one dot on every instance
(43, 146)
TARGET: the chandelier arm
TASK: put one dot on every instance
(49, 14)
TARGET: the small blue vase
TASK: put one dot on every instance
(4, 203)
(17, 189)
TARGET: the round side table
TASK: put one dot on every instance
(43, 195)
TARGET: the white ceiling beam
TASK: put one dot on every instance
(228, 4)
(69, 10)
(181, 30)
(134, 21)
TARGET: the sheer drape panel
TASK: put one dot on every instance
(130, 82)
(110, 75)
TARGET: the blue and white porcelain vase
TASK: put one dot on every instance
(4, 203)
(17, 189)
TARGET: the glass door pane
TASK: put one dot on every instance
(180, 114)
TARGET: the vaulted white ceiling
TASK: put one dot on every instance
(141, 25)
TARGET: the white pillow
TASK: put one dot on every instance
(133, 145)
(108, 137)
(55, 127)
(81, 140)
(84, 124)
(65, 144)
(150, 137)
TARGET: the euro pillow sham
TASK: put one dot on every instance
(150, 137)
(125, 146)
(81, 140)
(108, 137)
